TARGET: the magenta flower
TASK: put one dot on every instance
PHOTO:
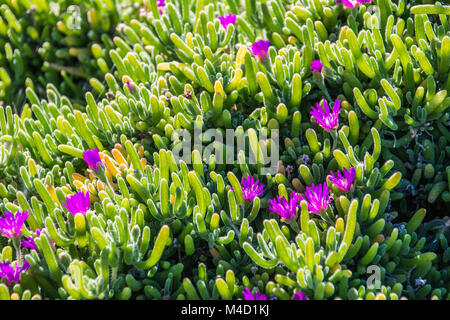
(260, 49)
(77, 203)
(251, 188)
(249, 296)
(352, 3)
(316, 66)
(12, 274)
(299, 296)
(28, 242)
(161, 5)
(317, 197)
(226, 20)
(328, 121)
(283, 208)
(344, 181)
(11, 225)
(92, 157)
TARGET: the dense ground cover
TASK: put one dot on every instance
(99, 97)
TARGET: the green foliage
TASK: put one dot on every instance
(159, 228)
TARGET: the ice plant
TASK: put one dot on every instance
(316, 66)
(92, 158)
(257, 296)
(299, 296)
(77, 203)
(13, 273)
(228, 19)
(284, 208)
(251, 188)
(328, 121)
(317, 198)
(260, 49)
(345, 180)
(11, 225)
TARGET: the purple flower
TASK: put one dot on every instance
(316, 66)
(12, 274)
(299, 296)
(251, 188)
(328, 121)
(92, 157)
(77, 203)
(344, 181)
(352, 3)
(260, 49)
(249, 296)
(349, 3)
(317, 197)
(11, 225)
(28, 242)
(284, 208)
(161, 3)
(226, 20)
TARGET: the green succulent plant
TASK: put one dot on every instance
(135, 75)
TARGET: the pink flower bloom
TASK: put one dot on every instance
(299, 296)
(257, 296)
(316, 66)
(226, 20)
(251, 188)
(260, 49)
(11, 225)
(77, 203)
(352, 3)
(92, 158)
(29, 242)
(344, 181)
(328, 121)
(317, 197)
(12, 273)
(283, 208)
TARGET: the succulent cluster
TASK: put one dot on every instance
(96, 203)
(62, 42)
